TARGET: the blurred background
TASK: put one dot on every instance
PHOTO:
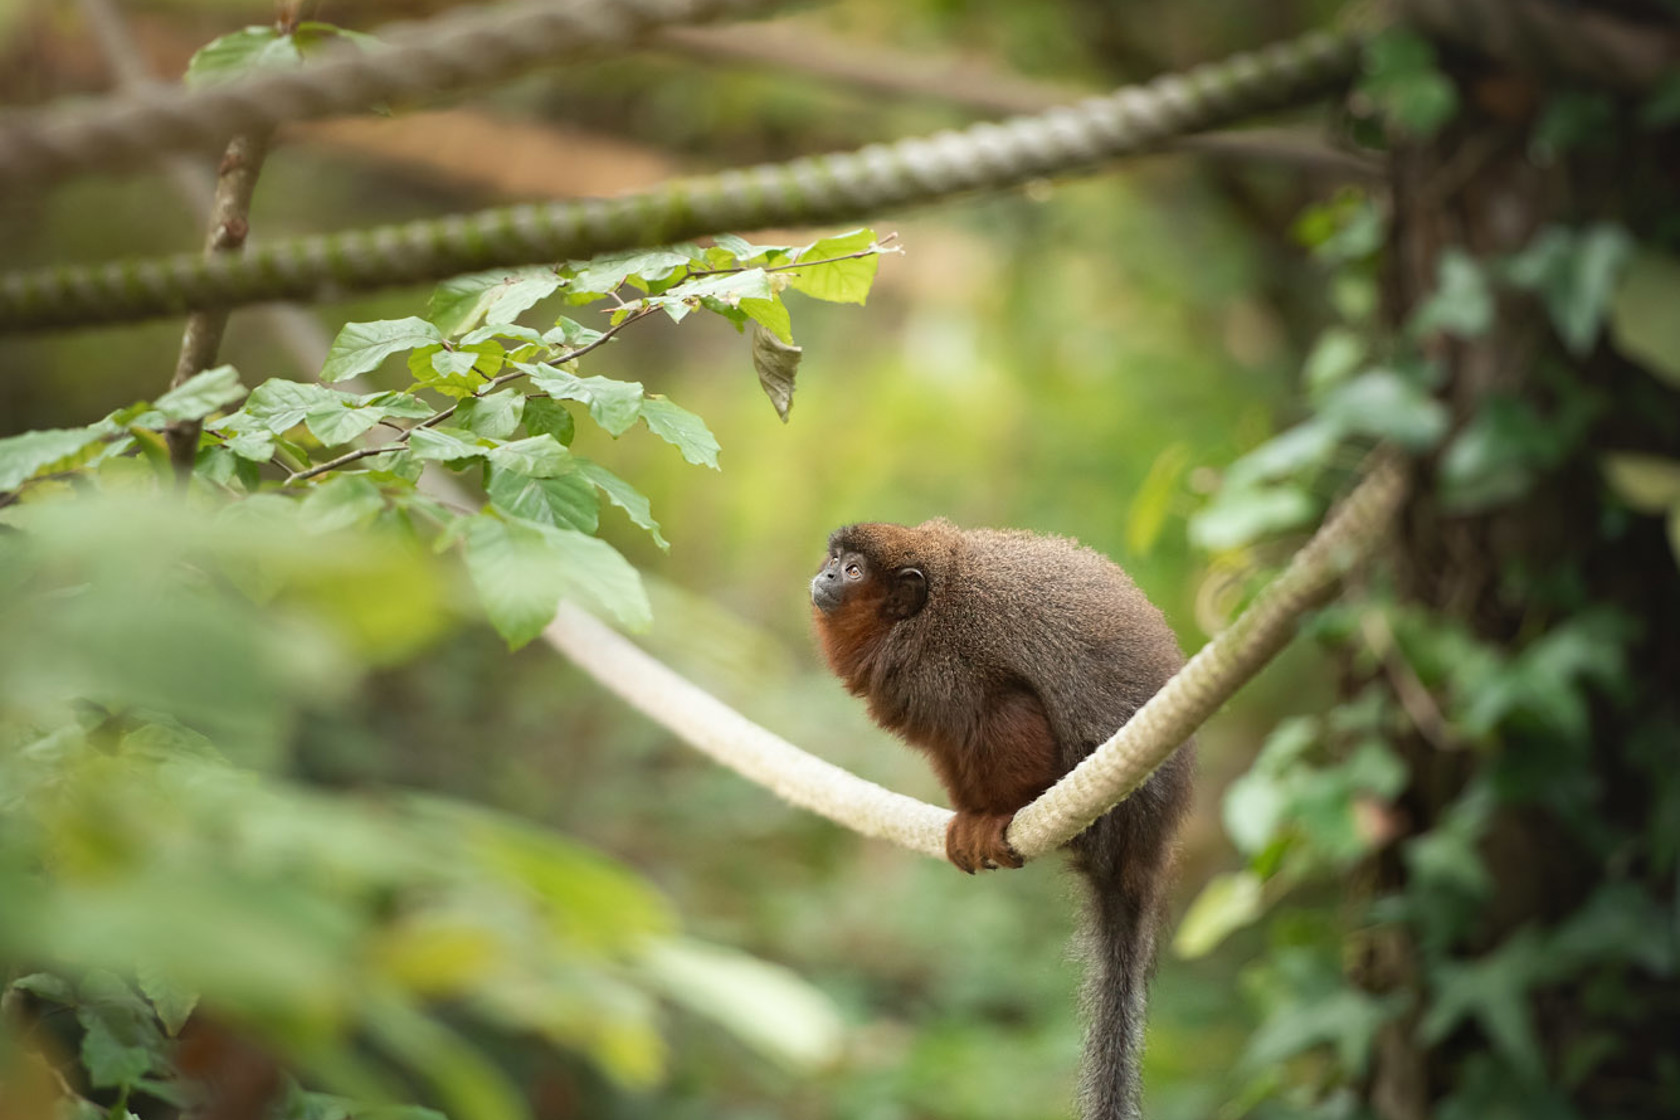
(1076, 358)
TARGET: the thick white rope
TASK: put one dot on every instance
(1102, 781)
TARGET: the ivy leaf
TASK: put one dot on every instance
(566, 501)
(1335, 357)
(496, 415)
(613, 404)
(543, 416)
(1402, 80)
(21, 456)
(360, 347)
(173, 1002)
(443, 444)
(1574, 272)
(846, 281)
(1493, 459)
(625, 497)
(201, 394)
(537, 456)
(681, 428)
(341, 503)
(1492, 990)
(1642, 320)
(1286, 455)
(1228, 903)
(1384, 404)
(777, 364)
(1647, 483)
(1242, 515)
(462, 302)
(1462, 303)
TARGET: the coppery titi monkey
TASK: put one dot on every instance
(1008, 657)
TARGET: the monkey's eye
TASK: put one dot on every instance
(853, 571)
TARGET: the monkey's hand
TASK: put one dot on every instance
(975, 841)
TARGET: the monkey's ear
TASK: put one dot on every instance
(907, 595)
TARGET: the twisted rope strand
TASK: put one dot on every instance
(814, 190)
(466, 48)
(1117, 768)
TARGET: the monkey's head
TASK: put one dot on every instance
(881, 573)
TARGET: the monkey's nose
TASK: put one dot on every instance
(825, 590)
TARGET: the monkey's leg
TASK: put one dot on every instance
(1012, 760)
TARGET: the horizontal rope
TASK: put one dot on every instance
(1117, 768)
(820, 189)
(460, 49)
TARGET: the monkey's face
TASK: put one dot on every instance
(851, 578)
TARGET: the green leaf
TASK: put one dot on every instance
(1242, 515)
(522, 569)
(1575, 273)
(240, 52)
(543, 416)
(777, 365)
(1335, 357)
(681, 428)
(173, 1002)
(278, 405)
(1401, 79)
(340, 422)
(1384, 404)
(845, 281)
(444, 444)
(461, 303)
(570, 334)
(1494, 458)
(495, 415)
(360, 347)
(340, 503)
(766, 1006)
(1462, 303)
(605, 273)
(771, 315)
(1146, 516)
(613, 404)
(625, 497)
(258, 447)
(47, 986)
(1647, 483)
(1226, 904)
(1493, 991)
(566, 501)
(21, 456)
(1643, 324)
(404, 406)
(1289, 454)
(201, 394)
(537, 456)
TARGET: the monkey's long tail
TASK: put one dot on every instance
(1123, 916)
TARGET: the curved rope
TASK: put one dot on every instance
(808, 191)
(465, 48)
(1117, 768)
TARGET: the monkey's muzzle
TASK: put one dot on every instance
(825, 589)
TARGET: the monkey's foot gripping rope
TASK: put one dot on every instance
(820, 189)
(1116, 768)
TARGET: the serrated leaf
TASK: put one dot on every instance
(728, 288)
(740, 249)
(403, 406)
(278, 405)
(681, 428)
(459, 304)
(361, 347)
(1643, 324)
(570, 334)
(625, 497)
(566, 501)
(771, 315)
(777, 364)
(522, 569)
(201, 394)
(537, 456)
(612, 404)
(21, 456)
(340, 503)
(443, 444)
(846, 281)
(340, 422)
(605, 273)
(238, 53)
(1226, 904)
(1648, 483)
(495, 415)
(543, 416)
